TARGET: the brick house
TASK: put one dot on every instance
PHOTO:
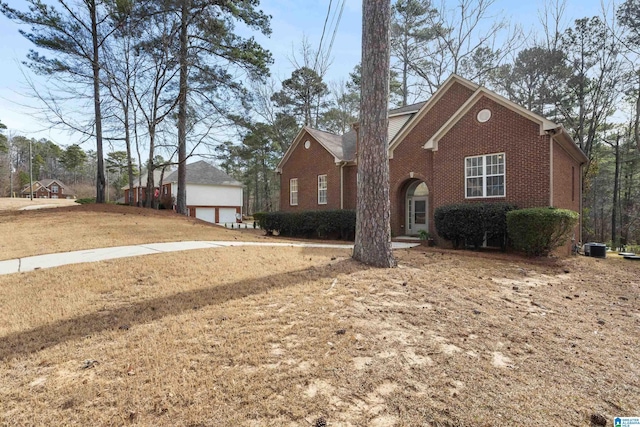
(212, 195)
(140, 187)
(465, 144)
(48, 189)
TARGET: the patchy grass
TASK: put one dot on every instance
(289, 336)
(36, 232)
(14, 204)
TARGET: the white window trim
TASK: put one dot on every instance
(484, 176)
(54, 188)
(323, 189)
(291, 192)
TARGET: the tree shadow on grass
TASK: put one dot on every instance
(43, 337)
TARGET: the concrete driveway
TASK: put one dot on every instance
(21, 265)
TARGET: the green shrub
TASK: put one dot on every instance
(469, 223)
(309, 224)
(86, 200)
(538, 231)
(166, 201)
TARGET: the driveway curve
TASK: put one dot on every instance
(26, 264)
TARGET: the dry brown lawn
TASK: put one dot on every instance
(13, 204)
(292, 337)
(37, 232)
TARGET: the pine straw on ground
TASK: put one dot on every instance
(290, 337)
(37, 232)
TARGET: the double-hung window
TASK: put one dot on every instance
(485, 176)
(322, 189)
(54, 188)
(293, 191)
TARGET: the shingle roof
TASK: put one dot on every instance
(43, 183)
(407, 108)
(204, 173)
(143, 179)
(47, 182)
(342, 147)
(330, 141)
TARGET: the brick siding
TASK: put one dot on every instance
(527, 163)
(306, 164)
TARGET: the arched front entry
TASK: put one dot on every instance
(417, 208)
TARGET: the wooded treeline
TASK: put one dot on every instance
(72, 165)
(583, 74)
(159, 76)
(172, 76)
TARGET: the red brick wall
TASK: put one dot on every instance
(566, 180)
(350, 186)
(527, 178)
(527, 161)
(306, 165)
(409, 156)
(566, 186)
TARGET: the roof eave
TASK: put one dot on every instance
(560, 134)
(287, 153)
(419, 115)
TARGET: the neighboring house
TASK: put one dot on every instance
(212, 195)
(465, 144)
(140, 186)
(48, 189)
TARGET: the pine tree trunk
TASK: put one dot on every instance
(614, 207)
(100, 178)
(181, 199)
(373, 228)
(127, 137)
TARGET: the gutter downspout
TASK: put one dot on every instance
(342, 165)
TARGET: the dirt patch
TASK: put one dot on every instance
(289, 336)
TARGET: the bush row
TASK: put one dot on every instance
(469, 223)
(86, 200)
(339, 223)
(538, 231)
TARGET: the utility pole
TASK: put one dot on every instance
(30, 172)
(9, 140)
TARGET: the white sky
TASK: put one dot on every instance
(291, 19)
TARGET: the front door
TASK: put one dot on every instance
(417, 208)
(418, 215)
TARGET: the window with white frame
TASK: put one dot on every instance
(322, 189)
(293, 191)
(54, 188)
(484, 176)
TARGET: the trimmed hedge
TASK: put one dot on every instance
(86, 200)
(339, 224)
(467, 223)
(538, 231)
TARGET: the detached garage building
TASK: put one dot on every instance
(212, 195)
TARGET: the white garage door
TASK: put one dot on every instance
(227, 215)
(206, 214)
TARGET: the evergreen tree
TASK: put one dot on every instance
(302, 95)
(212, 57)
(411, 30)
(73, 33)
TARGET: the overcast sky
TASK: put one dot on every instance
(291, 19)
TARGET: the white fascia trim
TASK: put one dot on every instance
(432, 143)
(417, 117)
